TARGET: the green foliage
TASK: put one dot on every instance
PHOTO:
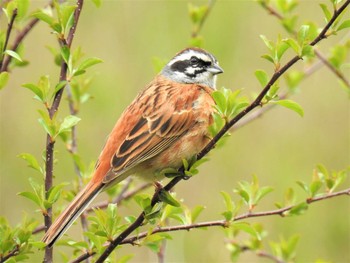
(18, 238)
(292, 105)
(251, 193)
(322, 178)
(285, 249)
(276, 50)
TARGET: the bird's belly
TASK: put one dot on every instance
(185, 148)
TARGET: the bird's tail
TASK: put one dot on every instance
(70, 214)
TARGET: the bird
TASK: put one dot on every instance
(167, 122)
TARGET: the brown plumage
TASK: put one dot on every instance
(167, 122)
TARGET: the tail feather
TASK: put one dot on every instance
(71, 213)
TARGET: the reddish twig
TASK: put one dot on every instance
(219, 223)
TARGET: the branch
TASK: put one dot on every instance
(321, 57)
(8, 34)
(117, 241)
(49, 142)
(68, 42)
(219, 223)
(198, 28)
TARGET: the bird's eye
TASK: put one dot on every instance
(194, 60)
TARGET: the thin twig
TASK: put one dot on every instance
(257, 102)
(50, 143)
(219, 223)
(8, 34)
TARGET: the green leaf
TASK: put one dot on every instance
(31, 161)
(343, 25)
(314, 187)
(220, 101)
(55, 192)
(44, 17)
(302, 34)
(36, 90)
(13, 54)
(326, 12)
(196, 212)
(89, 63)
(261, 192)
(65, 53)
(22, 8)
(49, 125)
(268, 58)
(97, 3)
(292, 105)
(298, 209)
(262, 77)
(68, 123)
(248, 229)
(31, 196)
(267, 42)
(4, 77)
(293, 44)
(167, 198)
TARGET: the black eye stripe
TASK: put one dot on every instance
(194, 62)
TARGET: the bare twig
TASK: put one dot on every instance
(257, 102)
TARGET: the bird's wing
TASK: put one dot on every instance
(165, 114)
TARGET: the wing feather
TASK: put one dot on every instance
(155, 130)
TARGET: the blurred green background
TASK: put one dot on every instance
(280, 148)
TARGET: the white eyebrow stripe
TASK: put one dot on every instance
(190, 53)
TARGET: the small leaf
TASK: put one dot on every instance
(196, 212)
(220, 100)
(293, 44)
(268, 57)
(262, 77)
(303, 33)
(13, 54)
(291, 105)
(345, 24)
(44, 17)
(4, 77)
(68, 123)
(97, 3)
(267, 42)
(314, 187)
(248, 229)
(65, 53)
(167, 198)
(298, 209)
(326, 12)
(31, 161)
(89, 63)
(304, 186)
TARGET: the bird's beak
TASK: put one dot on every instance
(215, 69)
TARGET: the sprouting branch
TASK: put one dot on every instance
(219, 223)
(49, 142)
(320, 56)
(257, 102)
